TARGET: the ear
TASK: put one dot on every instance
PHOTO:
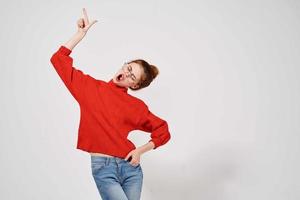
(135, 86)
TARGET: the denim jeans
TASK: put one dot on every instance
(116, 178)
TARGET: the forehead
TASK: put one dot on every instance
(136, 69)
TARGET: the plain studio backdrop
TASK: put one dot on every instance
(228, 88)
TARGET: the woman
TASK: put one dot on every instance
(107, 115)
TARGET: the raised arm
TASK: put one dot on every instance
(74, 79)
(83, 25)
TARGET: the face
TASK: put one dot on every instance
(129, 75)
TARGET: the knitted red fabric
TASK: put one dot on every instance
(107, 112)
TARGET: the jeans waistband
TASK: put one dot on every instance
(96, 159)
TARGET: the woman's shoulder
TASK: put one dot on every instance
(138, 101)
(101, 81)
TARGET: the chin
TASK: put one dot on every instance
(119, 83)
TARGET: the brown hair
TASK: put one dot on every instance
(150, 72)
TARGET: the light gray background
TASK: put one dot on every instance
(228, 87)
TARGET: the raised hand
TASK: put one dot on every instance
(84, 24)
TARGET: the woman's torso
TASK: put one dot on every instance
(100, 154)
(120, 108)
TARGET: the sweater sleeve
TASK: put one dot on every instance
(74, 79)
(156, 126)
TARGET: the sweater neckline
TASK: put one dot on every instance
(114, 85)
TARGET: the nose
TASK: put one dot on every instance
(126, 73)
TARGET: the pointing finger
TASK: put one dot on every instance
(86, 19)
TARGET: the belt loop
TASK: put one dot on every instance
(107, 161)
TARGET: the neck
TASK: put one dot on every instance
(116, 86)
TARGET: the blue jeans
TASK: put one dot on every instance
(116, 178)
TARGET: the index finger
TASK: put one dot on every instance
(86, 19)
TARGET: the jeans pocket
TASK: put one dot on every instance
(97, 166)
(134, 167)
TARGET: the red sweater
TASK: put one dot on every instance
(107, 112)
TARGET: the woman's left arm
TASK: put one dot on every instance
(155, 125)
(146, 147)
(160, 135)
(136, 153)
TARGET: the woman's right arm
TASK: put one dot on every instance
(74, 40)
(83, 25)
(75, 80)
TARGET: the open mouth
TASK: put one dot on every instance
(120, 77)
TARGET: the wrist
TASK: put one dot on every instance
(140, 150)
(80, 34)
